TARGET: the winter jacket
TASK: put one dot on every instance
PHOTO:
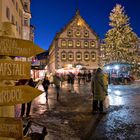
(46, 84)
(106, 79)
(31, 82)
(56, 80)
(100, 89)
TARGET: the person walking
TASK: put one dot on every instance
(79, 77)
(30, 82)
(88, 76)
(92, 87)
(100, 91)
(72, 77)
(51, 79)
(45, 85)
(56, 80)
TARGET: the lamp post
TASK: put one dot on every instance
(116, 67)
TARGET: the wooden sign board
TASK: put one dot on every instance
(13, 70)
(11, 127)
(17, 95)
(18, 47)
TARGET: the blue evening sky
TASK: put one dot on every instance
(50, 16)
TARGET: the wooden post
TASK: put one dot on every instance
(7, 111)
(23, 48)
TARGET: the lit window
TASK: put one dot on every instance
(86, 43)
(78, 44)
(70, 43)
(63, 56)
(63, 43)
(86, 56)
(71, 56)
(92, 43)
(79, 23)
(78, 33)
(8, 13)
(78, 56)
(93, 56)
(86, 33)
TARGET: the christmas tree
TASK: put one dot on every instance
(120, 43)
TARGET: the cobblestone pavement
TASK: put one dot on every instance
(70, 118)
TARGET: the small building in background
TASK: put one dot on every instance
(39, 66)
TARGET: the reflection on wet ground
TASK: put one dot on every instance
(71, 118)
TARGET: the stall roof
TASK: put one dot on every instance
(43, 55)
(40, 67)
(112, 64)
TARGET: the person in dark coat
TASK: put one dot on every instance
(72, 77)
(88, 76)
(46, 84)
(57, 84)
(31, 83)
(79, 77)
(100, 91)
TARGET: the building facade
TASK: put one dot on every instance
(76, 45)
(15, 18)
(16, 12)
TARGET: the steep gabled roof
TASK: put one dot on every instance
(77, 15)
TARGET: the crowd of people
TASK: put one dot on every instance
(97, 78)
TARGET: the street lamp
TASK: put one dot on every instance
(116, 67)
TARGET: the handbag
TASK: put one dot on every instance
(106, 102)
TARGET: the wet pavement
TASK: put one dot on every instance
(71, 119)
